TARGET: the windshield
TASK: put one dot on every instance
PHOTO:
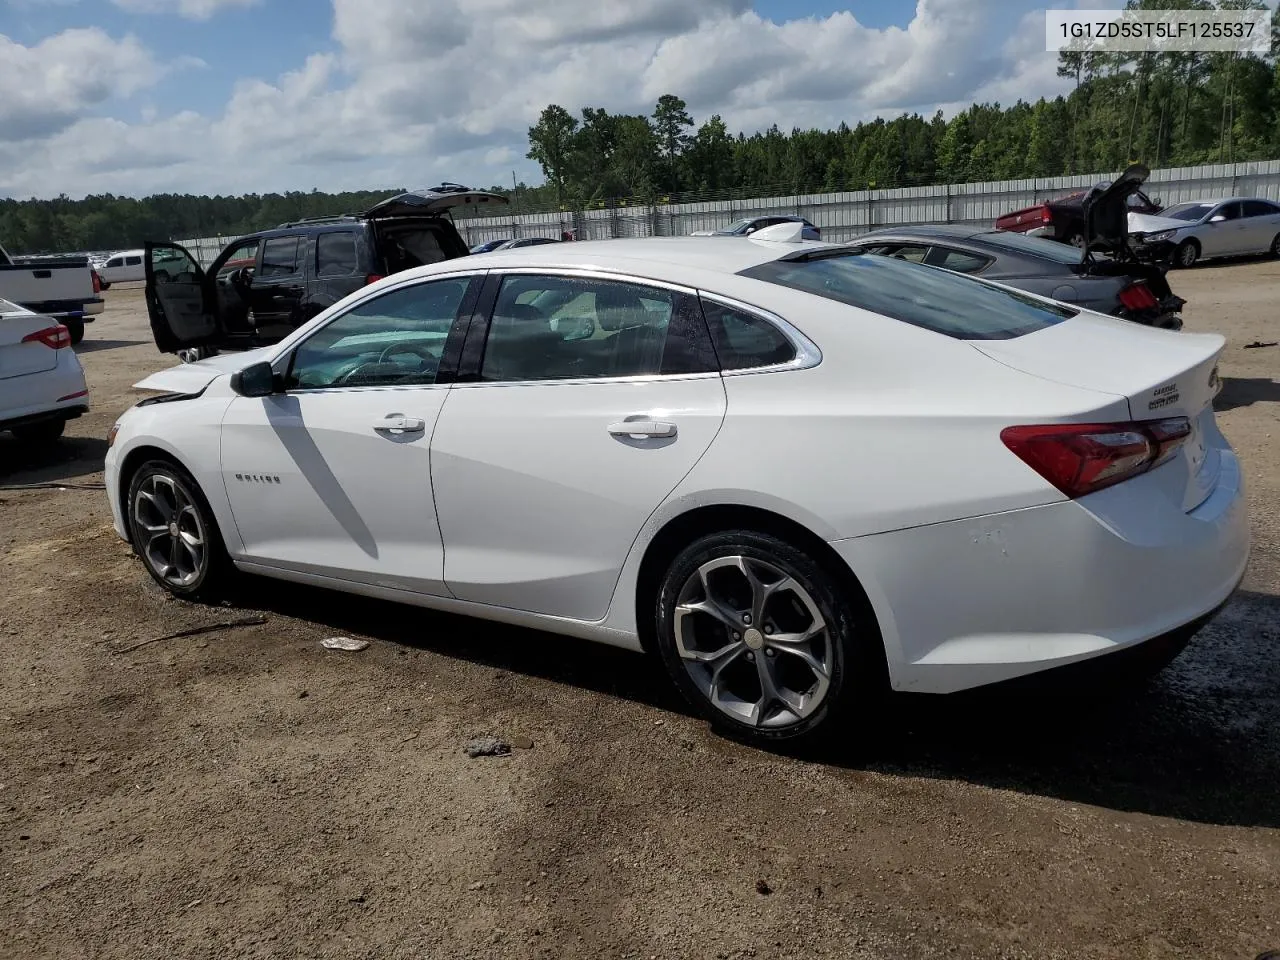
(949, 303)
(1036, 246)
(1186, 211)
(739, 225)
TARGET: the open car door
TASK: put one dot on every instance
(178, 304)
(432, 202)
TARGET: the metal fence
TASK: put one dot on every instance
(843, 216)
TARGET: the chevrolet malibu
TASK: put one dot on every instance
(797, 473)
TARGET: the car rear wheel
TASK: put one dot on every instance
(1275, 245)
(1076, 239)
(41, 432)
(192, 354)
(175, 533)
(1187, 253)
(75, 328)
(104, 285)
(761, 639)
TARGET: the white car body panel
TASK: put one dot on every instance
(35, 379)
(888, 449)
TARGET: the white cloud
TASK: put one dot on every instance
(418, 92)
(191, 9)
(65, 75)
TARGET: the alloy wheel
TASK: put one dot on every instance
(1187, 254)
(753, 641)
(170, 532)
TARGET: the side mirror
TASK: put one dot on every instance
(255, 380)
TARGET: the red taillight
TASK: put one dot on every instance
(97, 281)
(55, 337)
(1081, 458)
(372, 278)
(1138, 296)
(1046, 215)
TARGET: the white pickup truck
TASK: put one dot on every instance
(65, 288)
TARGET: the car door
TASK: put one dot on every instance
(279, 284)
(179, 306)
(567, 428)
(1258, 226)
(113, 270)
(330, 475)
(1220, 238)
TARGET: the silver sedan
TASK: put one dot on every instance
(1192, 231)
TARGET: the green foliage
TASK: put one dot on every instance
(1171, 109)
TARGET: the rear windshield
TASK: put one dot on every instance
(949, 303)
(1036, 246)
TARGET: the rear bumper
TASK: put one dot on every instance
(84, 310)
(975, 602)
(67, 411)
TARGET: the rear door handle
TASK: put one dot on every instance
(643, 428)
(401, 425)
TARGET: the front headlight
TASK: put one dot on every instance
(1157, 237)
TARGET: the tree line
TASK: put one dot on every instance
(1167, 109)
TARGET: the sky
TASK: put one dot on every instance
(136, 97)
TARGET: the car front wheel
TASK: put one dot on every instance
(1186, 254)
(175, 533)
(760, 638)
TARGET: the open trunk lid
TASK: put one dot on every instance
(1106, 211)
(432, 202)
(1159, 373)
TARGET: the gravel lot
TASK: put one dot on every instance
(247, 793)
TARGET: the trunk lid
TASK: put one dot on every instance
(1106, 210)
(432, 202)
(1160, 373)
(18, 359)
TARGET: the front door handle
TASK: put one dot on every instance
(401, 425)
(643, 428)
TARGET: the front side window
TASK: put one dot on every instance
(948, 303)
(279, 257)
(396, 339)
(569, 328)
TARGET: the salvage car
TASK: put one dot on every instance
(1186, 233)
(1139, 293)
(265, 285)
(42, 384)
(1062, 219)
(749, 225)
(797, 473)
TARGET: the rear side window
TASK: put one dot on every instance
(958, 260)
(744, 340)
(948, 303)
(279, 257)
(1258, 208)
(336, 254)
(133, 261)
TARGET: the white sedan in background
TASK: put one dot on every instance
(1201, 229)
(795, 472)
(41, 381)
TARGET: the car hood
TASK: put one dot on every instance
(432, 202)
(1153, 223)
(194, 377)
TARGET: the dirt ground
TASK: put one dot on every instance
(246, 793)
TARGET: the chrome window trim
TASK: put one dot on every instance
(807, 352)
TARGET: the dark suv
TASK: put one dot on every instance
(263, 286)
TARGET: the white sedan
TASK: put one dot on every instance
(797, 473)
(41, 381)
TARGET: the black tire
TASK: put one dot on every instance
(212, 578)
(1075, 238)
(852, 648)
(41, 433)
(103, 285)
(75, 328)
(1275, 245)
(1186, 254)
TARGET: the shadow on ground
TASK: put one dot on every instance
(1200, 742)
(69, 458)
(1246, 391)
(93, 346)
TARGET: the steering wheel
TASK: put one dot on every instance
(420, 350)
